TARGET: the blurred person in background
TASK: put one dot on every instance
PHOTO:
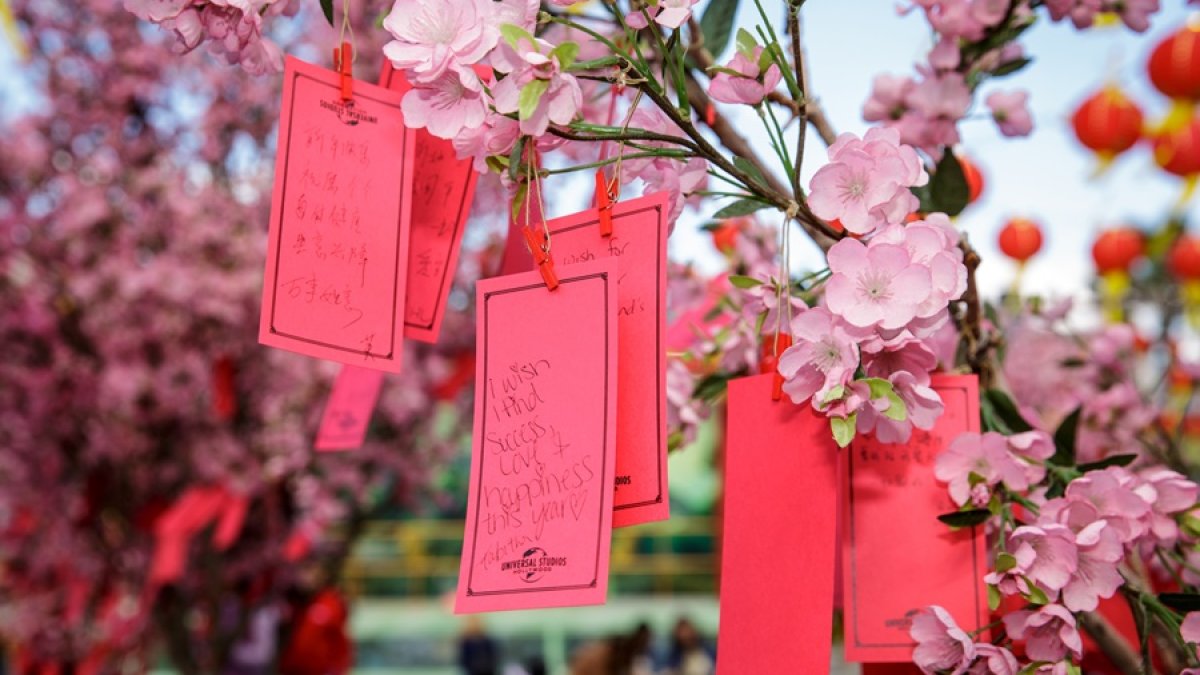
(478, 653)
(689, 655)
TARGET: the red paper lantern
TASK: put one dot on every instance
(974, 176)
(1108, 123)
(1174, 65)
(1116, 250)
(1020, 239)
(1184, 259)
(1177, 150)
(725, 234)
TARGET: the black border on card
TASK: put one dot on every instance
(539, 287)
(392, 354)
(658, 351)
(439, 306)
(858, 643)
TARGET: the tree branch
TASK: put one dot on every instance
(1111, 643)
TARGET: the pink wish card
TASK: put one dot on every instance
(337, 252)
(639, 243)
(539, 510)
(897, 557)
(777, 559)
(348, 410)
(443, 188)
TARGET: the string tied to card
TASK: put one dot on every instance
(538, 242)
(344, 54)
(780, 340)
(608, 192)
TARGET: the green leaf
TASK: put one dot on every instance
(327, 10)
(514, 34)
(1181, 602)
(1011, 67)
(1114, 460)
(746, 44)
(566, 54)
(749, 169)
(1064, 439)
(530, 96)
(1036, 595)
(843, 429)
(518, 201)
(744, 282)
(717, 23)
(833, 395)
(711, 387)
(741, 207)
(1005, 562)
(514, 158)
(994, 598)
(1005, 410)
(948, 188)
(968, 518)
(765, 60)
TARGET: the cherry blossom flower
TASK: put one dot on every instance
(1049, 633)
(1189, 630)
(666, 13)
(561, 97)
(941, 645)
(1167, 493)
(1081, 12)
(447, 105)
(994, 660)
(923, 407)
(822, 358)
(865, 184)
(873, 286)
(746, 83)
(433, 37)
(1110, 492)
(986, 457)
(495, 137)
(889, 98)
(1011, 112)
(1099, 552)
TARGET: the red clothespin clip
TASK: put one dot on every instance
(604, 204)
(774, 344)
(545, 263)
(343, 62)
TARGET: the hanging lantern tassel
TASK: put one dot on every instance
(1115, 253)
(1189, 292)
(1114, 286)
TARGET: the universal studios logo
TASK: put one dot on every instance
(534, 564)
(347, 114)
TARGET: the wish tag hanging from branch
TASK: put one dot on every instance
(337, 253)
(348, 410)
(443, 190)
(780, 534)
(539, 508)
(637, 239)
(897, 557)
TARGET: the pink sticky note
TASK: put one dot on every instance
(539, 509)
(639, 243)
(348, 410)
(337, 253)
(443, 188)
(898, 557)
(781, 468)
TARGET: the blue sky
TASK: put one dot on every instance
(1045, 176)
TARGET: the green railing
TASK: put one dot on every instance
(419, 558)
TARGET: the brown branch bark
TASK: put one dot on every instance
(1122, 656)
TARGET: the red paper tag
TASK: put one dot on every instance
(443, 189)
(898, 558)
(780, 535)
(348, 410)
(337, 256)
(539, 511)
(639, 244)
